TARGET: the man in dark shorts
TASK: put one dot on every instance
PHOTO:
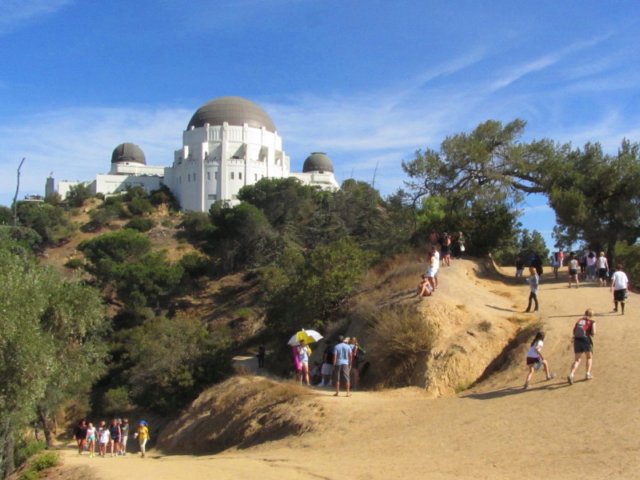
(342, 365)
(583, 332)
(619, 285)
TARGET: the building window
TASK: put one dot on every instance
(216, 175)
(180, 180)
(194, 177)
(212, 196)
(188, 177)
(231, 175)
(255, 177)
(239, 175)
(208, 175)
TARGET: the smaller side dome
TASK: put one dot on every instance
(317, 162)
(128, 152)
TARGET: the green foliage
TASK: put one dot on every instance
(164, 196)
(318, 287)
(522, 245)
(45, 460)
(6, 216)
(242, 237)
(197, 227)
(100, 217)
(50, 346)
(117, 401)
(108, 251)
(195, 264)
(74, 263)
(173, 359)
(49, 221)
(78, 195)
(27, 448)
(141, 224)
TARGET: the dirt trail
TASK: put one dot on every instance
(494, 430)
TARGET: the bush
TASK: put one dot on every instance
(195, 265)
(74, 263)
(400, 338)
(117, 400)
(26, 449)
(141, 224)
(46, 460)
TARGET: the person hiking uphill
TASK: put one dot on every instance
(583, 332)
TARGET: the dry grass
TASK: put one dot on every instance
(400, 338)
(241, 412)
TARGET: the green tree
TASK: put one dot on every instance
(172, 361)
(49, 221)
(77, 195)
(48, 325)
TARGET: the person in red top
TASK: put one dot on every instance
(583, 332)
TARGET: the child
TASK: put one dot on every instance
(424, 287)
(142, 434)
(91, 439)
(104, 438)
(534, 357)
(533, 281)
(573, 270)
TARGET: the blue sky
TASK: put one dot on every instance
(368, 82)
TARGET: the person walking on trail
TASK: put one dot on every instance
(573, 270)
(583, 332)
(533, 280)
(535, 359)
(342, 365)
(619, 286)
(142, 434)
(602, 265)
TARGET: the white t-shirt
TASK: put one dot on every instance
(601, 262)
(105, 435)
(619, 280)
(573, 264)
(533, 350)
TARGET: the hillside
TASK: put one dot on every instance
(492, 430)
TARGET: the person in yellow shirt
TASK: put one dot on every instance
(142, 434)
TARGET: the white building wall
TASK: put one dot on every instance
(215, 162)
(110, 184)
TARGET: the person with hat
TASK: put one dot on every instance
(142, 434)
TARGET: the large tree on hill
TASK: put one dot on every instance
(596, 197)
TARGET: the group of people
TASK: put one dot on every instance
(340, 365)
(110, 439)
(618, 281)
(583, 332)
(585, 266)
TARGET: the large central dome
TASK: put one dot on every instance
(234, 111)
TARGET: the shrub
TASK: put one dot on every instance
(141, 224)
(117, 400)
(195, 265)
(74, 263)
(140, 206)
(46, 460)
(400, 338)
(26, 448)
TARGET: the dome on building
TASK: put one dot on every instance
(128, 152)
(233, 110)
(317, 162)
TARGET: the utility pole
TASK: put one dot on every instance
(15, 197)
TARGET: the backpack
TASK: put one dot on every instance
(582, 329)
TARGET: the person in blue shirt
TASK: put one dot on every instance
(342, 355)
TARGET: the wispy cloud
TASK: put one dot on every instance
(76, 144)
(14, 14)
(541, 63)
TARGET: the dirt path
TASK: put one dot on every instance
(494, 431)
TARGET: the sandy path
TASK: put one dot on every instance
(493, 431)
